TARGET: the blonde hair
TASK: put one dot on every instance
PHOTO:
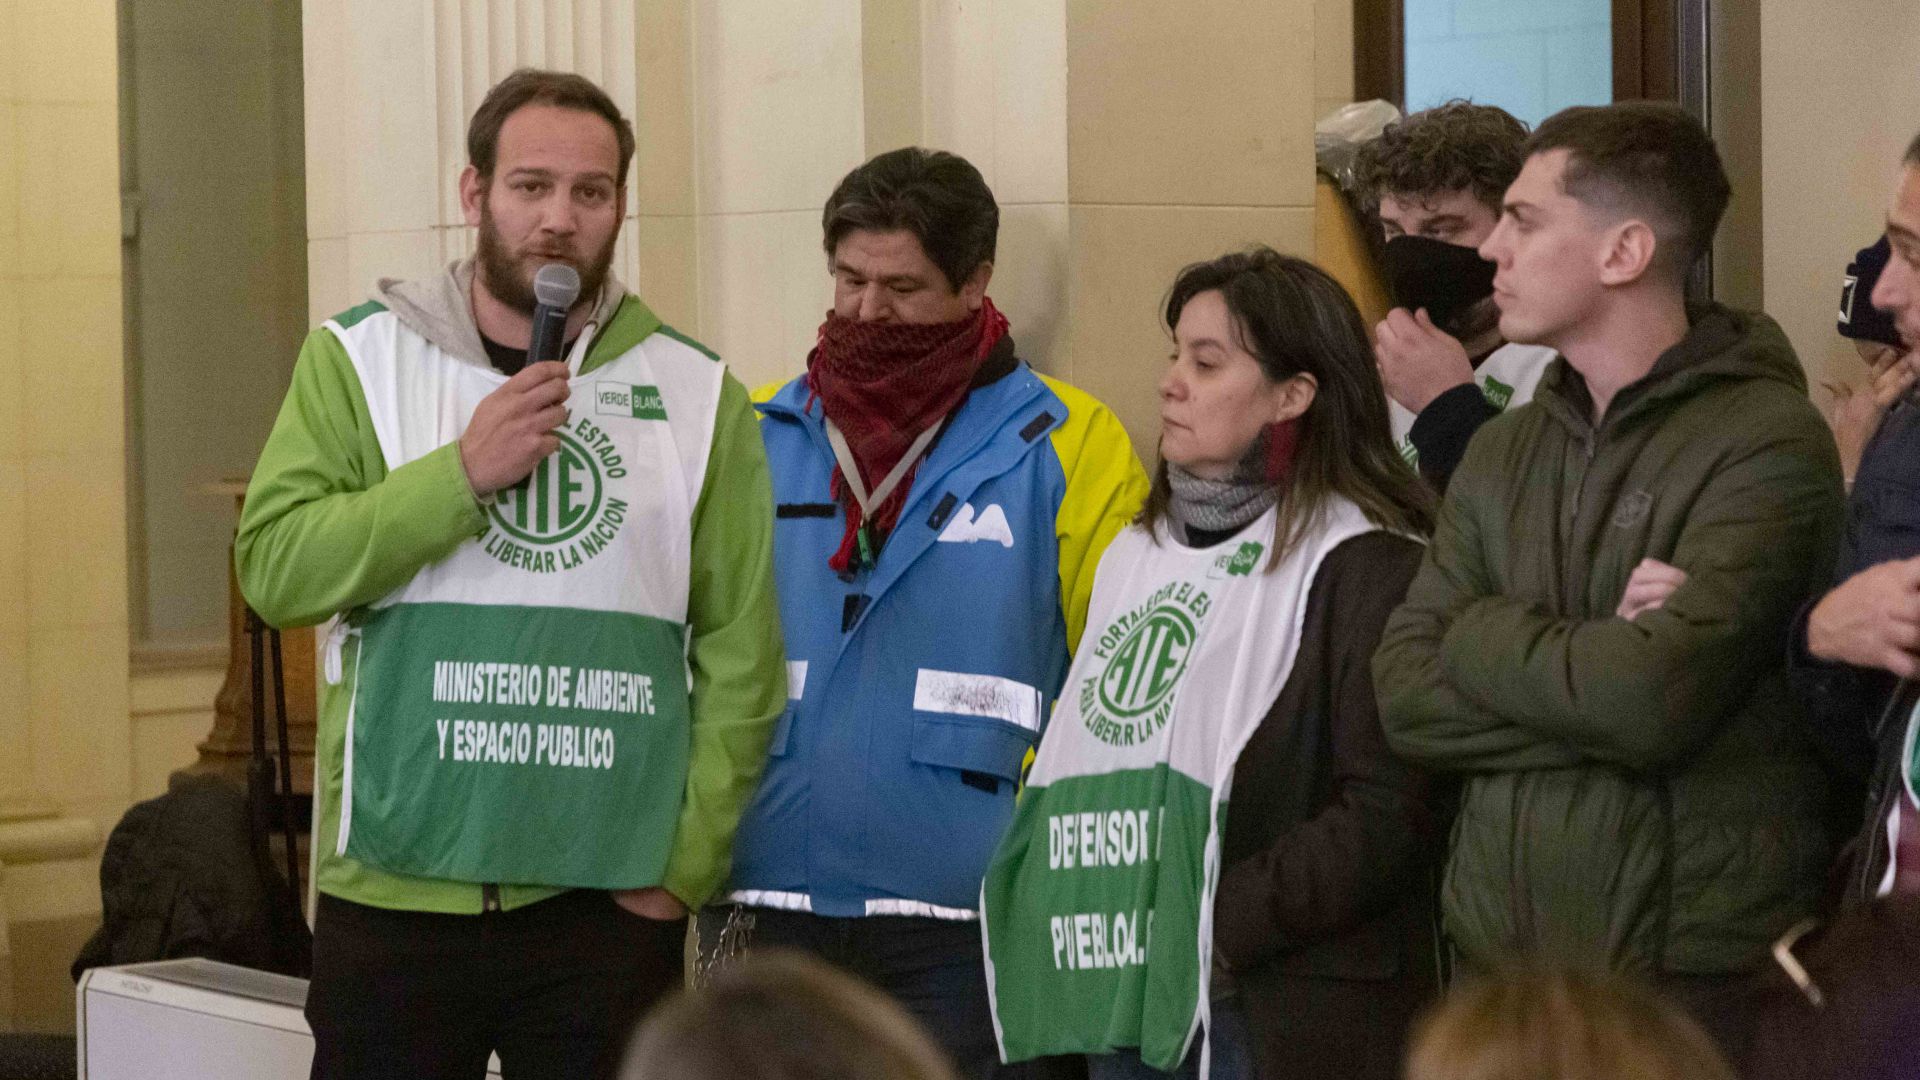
(781, 1015)
(1544, 1025)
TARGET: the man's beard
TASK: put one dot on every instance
(502, 276)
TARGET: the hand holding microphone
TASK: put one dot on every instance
(512, 429)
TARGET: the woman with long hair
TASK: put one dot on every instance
(1217, 862)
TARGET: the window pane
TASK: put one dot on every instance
(1530, 57)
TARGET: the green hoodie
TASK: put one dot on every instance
(1635, 794)
(327, 529)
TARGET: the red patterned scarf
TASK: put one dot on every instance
(882, 384)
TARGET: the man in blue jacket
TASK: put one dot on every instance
(940, 510)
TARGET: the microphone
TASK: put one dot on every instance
(555, 287)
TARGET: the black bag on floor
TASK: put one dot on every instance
(183, 875)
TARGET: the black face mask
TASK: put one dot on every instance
(1446, 279)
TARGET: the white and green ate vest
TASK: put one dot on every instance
(519, 710)
(1098, 906)
(1507, 378)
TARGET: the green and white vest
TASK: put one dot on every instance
(519, 711)
(1507, 377)
(1098, 906)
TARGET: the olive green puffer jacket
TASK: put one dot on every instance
(1636, 794)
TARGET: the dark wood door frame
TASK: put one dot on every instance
(1646, 50)
(1379, 51)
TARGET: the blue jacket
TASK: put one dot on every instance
(918, 690)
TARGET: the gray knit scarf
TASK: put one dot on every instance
(1223, 505)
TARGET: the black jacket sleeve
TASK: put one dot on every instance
(1841, 702)
(1442, 430)
(1369, 829)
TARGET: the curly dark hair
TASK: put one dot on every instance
(1452, 147)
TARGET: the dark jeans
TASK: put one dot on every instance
(932, 967)
(553, 987)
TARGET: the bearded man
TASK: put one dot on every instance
(557, 661)
(940, 509)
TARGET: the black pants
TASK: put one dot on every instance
(554, 988)
(932, 967)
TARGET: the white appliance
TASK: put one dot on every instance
(194, 1020)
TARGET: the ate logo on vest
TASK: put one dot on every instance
(1143, 654)
(562, 514)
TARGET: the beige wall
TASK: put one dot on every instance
(65, 745)
(1190, 133)
(79, 740)
(1839, 102)
(776, 107)
(987, 81)
(1332, 55)
(63, 606)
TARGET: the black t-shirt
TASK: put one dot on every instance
(509, 359)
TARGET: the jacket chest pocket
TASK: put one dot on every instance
(981, 726)
(985, 753)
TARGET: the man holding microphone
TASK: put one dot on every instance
(557, 661)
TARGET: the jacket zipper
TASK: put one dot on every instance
(1521, 897)
(1589, 448)
(1668, 856)
(1877, 847)
(490, 898)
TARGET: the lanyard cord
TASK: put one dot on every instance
(850, 468)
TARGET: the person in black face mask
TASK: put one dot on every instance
(1438, 177)
(1856, 412)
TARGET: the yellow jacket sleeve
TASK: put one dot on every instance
(1105, 489)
